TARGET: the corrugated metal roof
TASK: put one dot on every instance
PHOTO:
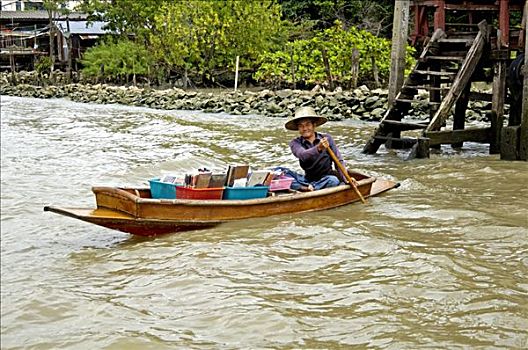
(38, 15)
(83, 27)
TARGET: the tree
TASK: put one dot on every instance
(127, 17)
(374, 16)
(204, 36)
(118, 59)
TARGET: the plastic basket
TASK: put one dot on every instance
(162, 190)
(245, 192)
(183, 192)
(281, 183)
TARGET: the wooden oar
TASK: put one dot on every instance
(351, 181)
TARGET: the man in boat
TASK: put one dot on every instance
(310, 148)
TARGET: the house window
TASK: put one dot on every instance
(18, 6)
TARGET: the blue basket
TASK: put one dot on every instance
(162, 190)
(245, 192)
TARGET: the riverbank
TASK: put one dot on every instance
(359, 104)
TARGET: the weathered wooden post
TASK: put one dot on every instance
(459, 118)
(439, 15)
(292, 68)
(400, 28)
(523, 144)
(51, 44)
(69, 43)
(509, 147)
(504, 22)
(354, 68)
(500, 56)
(327, 69)
(12, 64)
(514, 137)
(421, 149)
(236, 72)
(35, 46)
(375, 72)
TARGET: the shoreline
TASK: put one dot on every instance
(361, 103)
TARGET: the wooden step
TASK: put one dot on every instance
(395, 125)
(435, 73)
(444, 58)
(403, 100)
(462, 35)
(443, 80)
(453, 52)
(469, 25)
(425, 87)
(466, 41)
(480, 96)
(473, 33)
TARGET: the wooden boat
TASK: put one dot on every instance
(133, 210)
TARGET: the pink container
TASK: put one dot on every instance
(281, 183)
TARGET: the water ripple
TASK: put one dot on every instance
(439, 263)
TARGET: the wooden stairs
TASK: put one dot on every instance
(444, 69)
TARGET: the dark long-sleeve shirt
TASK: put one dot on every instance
(314, 163)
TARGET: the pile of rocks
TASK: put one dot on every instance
(361, 103)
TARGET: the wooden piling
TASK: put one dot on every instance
(70, 48)
(523, 143)
(12, 64)
(327, 69)
(509, 146)
(375, 73)
(496, 129)
(422, 148)
(236, 72)
(459, 119)
(439, 15)
(497, 101)
(504, 22)
(400, 28)
(354, 68)
(292, 68)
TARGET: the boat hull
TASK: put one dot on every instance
(119, 221)
(129, 210)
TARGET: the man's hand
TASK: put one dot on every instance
(323, 144)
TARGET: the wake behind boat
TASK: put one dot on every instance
(133, 210)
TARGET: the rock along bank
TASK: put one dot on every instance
(360, 104)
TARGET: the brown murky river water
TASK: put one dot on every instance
(441, 262)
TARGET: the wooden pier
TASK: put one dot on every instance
(454, 56)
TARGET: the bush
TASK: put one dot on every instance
(305, 56)
(43, 64)
(117, 60)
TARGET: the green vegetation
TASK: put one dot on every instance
(302, 61)
(125, 16)
(279, 42)
(121, 60)
(43, 65)
(204, 37)
(374, 16)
